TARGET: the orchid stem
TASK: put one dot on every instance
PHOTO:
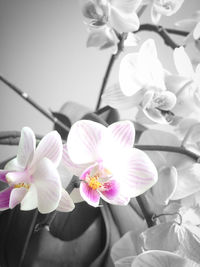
(161, 31)
(144, 206)
(26, 97)
(174, 149)
(105, 79)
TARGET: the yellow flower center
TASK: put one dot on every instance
(94, 183)
(27, 186)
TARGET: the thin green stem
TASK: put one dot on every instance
(26, 97)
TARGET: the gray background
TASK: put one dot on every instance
(43, 51)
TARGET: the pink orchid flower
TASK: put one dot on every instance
(32, 177)
(106, 162)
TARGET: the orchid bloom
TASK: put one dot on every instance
(188, 91)
(32, 177)
(106, 17)
(142, 85)
(177, 174)
(163, 7)
(106, 162)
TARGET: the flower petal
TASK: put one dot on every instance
(66, 204)
(123, 133)
(123, 21)
(30, 201)
(196, 32)
(126, 5)
(91, 196)
(155, 16)
(49, 147)
(5, 198)
(114, 97)
(16, 196)
(26, 147)
(183, 63)
(156, 258)
(76, 169)
(167, 181)
(185, 186)
(3, 175)
(136, 173)
(110, 191)
(47, 181)
(125, 262)
(83, 141)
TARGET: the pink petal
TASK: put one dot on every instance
(26, 147)
(114, 97)
(47, 181)
(16, 196)
(30, 201)
(91, 196)
(138, 173)
(3, 175)
(5, 198)
(49, 147)
(76, 169)
(84, 140)
(123, 133)
(110, 190)
(66, 204)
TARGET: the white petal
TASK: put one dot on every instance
(185, 185)
(66, 204)
(16, 196)
(136, 173)
(196, 32)
(47, 181)
(183, 63)
(30, 201)
(123, 133)
(126, 5)
(83, 141)
(125, 262)
(168, 181)
(155, 16)
(49, 147)
(13, 165)
(131, 40)
(186, 24)
(130, 78)
(26, 147)
(116, 99)
(123, 21)
(157, 258)
(76, 169)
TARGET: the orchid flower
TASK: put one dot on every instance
(142, 85)
(163, 7)
(106, 17)
(106, 162)
(155, 258)
(188, 91)
(177, 174)
(32, 177)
